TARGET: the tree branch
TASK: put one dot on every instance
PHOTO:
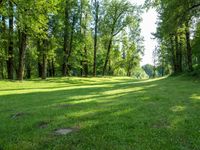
(194, 6)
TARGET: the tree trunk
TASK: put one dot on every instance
(70, 46)
(173, 55)
(22, 52)
(28, 71)
(86, 62)
(189, 49)
(107, 55)
(1, 70)
(43, 67)
(178, 55)
(65, 48)
(10, 62)
(44, 60)
(85, 50)
(4, 46)
(53, 68)
(39, 69)
(39, 59)
(95, 36)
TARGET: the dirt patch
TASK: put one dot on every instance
(18, 115)
(161, 124)
(43, 124)
(65, 131)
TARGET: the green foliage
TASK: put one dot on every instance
(176, 21)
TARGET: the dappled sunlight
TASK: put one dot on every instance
(77, 83)
(104, 110)
(121, 90)
(50, 89)
(122, 112)
(91, 113)
(177, 108)
(195, 97)
(96, 99)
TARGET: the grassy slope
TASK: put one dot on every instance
(110, 113)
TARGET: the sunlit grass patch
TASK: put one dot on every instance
(119, 113)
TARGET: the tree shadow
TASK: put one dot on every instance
(155, 114)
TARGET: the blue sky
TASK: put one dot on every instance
(148, 26)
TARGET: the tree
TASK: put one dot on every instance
(10, 62)
(96, 18)
(117, 17)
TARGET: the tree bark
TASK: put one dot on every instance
(86, 62)
(95, 36)
(65, 48)
(173, 52)
(39, 59)
(44, 60)
(39, 69)
(107, 55)
(178, 55)
(4, 46)
(189, 49)
(70, 46)
(53, 67)
(22, 52)
(10, 62)
(28, 71)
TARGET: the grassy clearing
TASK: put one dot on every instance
(107, 113)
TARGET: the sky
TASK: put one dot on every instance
(148, 26)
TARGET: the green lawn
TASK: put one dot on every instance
(106, 113)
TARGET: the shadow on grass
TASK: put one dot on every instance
(116, 115)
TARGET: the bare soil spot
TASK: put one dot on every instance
(18, 115)
(161, 124)
(65, 131)
(42, 124)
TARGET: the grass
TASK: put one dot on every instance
(107, 113)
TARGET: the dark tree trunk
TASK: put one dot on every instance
(86, 62)
(80, 32)
(107, 56)
(95, 36)
(53, 68)
(189, 49)
(28, 71)
(70, 46)
(44, 60)
(85, 51)
(173, 52)
(178, 55)
(82, 66)
(1, 70)
(43, 67)
(128, 72)
(22, 52)
(66, 32)
(50, 68)
(10, 62)
(162, 69)
(39, 69)
(4, 47)
(39, 59)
